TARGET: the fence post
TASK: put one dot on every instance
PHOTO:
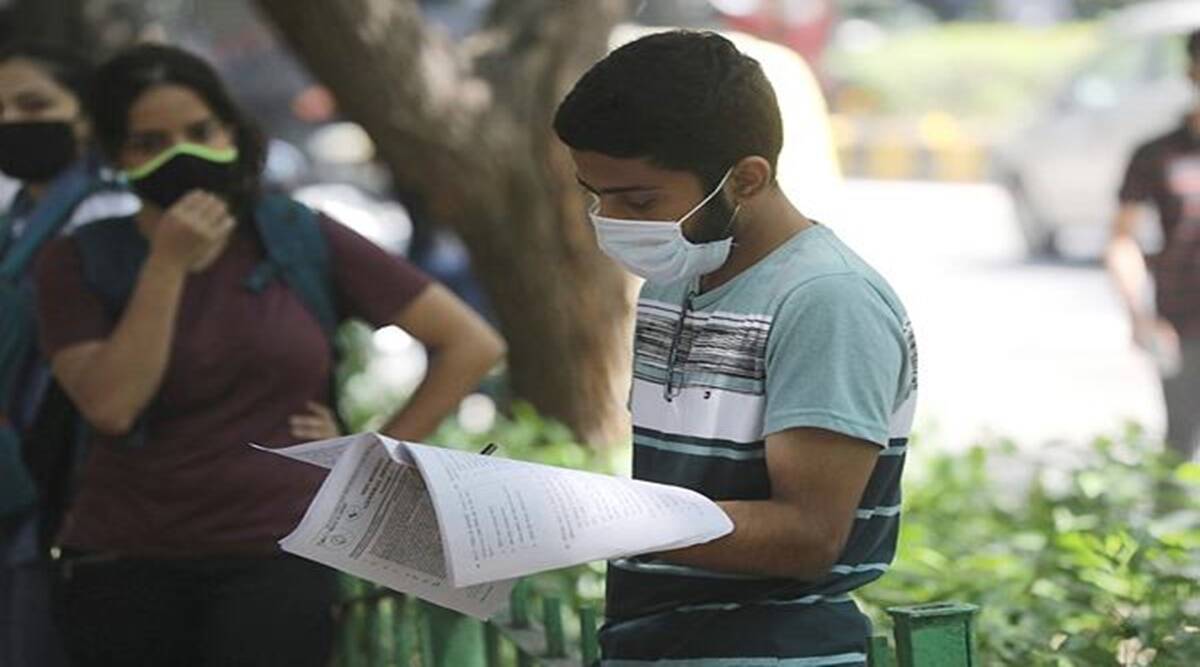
(519, 605)
(492, 644)
(518, 612)
(404, 630)
(381, 647)
(879, 652)
(589, 643)
(353, 618)
(457, 640)
(935, 635)
(425, 633)
(556, 641)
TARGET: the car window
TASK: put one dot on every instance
(1168, 58)
(1101, 82)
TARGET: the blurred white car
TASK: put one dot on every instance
(1064, 169)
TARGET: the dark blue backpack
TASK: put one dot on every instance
(113, 251)
(18, 323)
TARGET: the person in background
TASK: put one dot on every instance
(1162, 296)
(170, 552)
(60, 185)
(774, 370)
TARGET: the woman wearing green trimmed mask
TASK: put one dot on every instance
(188, 331)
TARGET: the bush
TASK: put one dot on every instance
(1093, 564)
(1097, 565)
(1090, 563)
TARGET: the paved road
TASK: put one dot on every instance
(1037, 352)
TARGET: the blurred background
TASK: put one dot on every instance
(970, 149)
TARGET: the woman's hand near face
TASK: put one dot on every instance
(191, 233)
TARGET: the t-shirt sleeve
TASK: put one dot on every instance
(68, 312)
(835, 358)
(1138, 183)
(371, 285)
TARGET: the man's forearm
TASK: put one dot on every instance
(770, 538)
(1128, 269)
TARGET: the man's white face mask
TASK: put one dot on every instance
(657, 250)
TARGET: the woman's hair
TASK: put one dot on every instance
(69, 68)
(129, 74)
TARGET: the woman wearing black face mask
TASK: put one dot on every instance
(43, 146)
(214, 340)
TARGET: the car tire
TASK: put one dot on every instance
(1041, 241)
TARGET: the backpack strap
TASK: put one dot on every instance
(46, 219)
(6, 223)
(297, 253)
(113, 252)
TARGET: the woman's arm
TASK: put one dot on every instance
(113, 380)
(462, 349)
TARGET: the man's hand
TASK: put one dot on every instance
(1158, 338)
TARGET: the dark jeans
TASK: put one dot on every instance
(28, 637)
(1182, 396)
(27, 634)
(204, 612)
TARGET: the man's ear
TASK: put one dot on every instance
(751, 177)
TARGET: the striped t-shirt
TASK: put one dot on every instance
(810, 336)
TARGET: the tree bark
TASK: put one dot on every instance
(469, 127)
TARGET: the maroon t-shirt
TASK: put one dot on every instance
(1166, 172)
(241, 364)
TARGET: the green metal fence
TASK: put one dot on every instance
(382, 628)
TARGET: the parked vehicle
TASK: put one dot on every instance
(1065, 168)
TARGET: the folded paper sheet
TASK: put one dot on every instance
(457, 528)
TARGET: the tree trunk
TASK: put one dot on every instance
(469, 127)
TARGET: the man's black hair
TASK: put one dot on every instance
(683, 100)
